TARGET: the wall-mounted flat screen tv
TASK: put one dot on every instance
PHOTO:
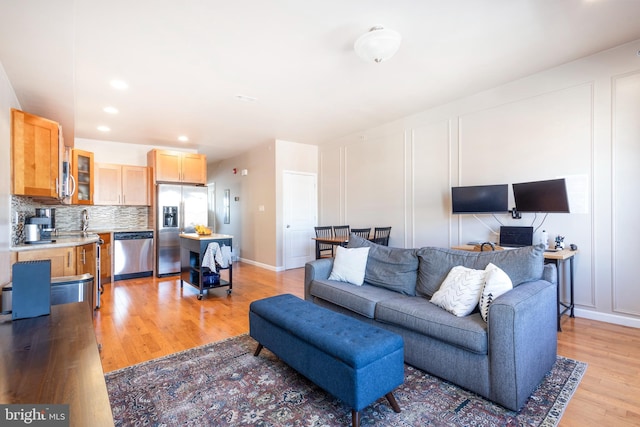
(480, 199)
(541, 196)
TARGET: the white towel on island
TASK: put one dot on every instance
(214, 254)
(223, 256)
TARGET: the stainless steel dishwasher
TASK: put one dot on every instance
(132, 254)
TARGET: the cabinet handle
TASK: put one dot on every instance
(69, 259)
(124, 199)
(84, 257)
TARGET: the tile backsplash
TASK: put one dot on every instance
(69, 217)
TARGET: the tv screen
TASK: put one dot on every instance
(541, 196)
(480, 199)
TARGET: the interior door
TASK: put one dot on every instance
(300, 216)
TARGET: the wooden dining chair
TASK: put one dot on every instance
(342, 231)
(381, 235)
(362, 232)
(323, 248)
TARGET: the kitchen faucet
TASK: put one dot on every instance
(85, 220)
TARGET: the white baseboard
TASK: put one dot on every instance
(607, 317)
(261, 265)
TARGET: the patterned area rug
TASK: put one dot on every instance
(223, 384)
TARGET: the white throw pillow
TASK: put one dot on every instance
(460, 291)
(496, 283)
(349, 265)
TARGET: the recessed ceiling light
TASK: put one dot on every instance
(119, 84)
(104, 128)
(246, 98)
(183, 138)
(110, 110)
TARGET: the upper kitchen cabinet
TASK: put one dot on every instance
(35, 155)
(82, 172)
(121, 185)
(178, 167)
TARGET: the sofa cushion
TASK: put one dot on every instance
(460, 291)
(419, 315)
(349, 265)
(391, 268)
(359, 299)
(521, 265)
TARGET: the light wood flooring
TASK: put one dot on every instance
(142, 319)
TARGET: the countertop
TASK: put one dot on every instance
(115, 230)
(61, 241)
(196, 236)
(69, 238)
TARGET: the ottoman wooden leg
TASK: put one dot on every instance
(258, 349)
(393, 402)
(355, 418)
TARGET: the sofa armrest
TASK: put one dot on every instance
(522, 341)
(319, 269)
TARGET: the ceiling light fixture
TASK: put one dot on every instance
(119, 84)
(246, 98)
(378, 45)
(110, 110)
(183, 138)
(104, 128)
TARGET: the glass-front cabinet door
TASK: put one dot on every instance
(82, 170)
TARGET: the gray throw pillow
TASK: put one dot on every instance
(521, 265)
(395, 269)
(435, 264)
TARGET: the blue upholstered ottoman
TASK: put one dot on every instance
(354, 361)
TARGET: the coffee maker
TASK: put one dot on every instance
(39, 228)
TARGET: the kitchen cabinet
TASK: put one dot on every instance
(121, 185)
(178, 167)
(35, 155)
(86, 259)
(63, 260)
(82, 171)
(105, 258)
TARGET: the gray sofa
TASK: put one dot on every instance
(503, 359)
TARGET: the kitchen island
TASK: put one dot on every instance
(193, 247)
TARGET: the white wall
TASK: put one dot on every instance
(256, 218)
(8, 101)
(253, 230)
(579, 120)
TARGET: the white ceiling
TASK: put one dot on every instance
(186, 61)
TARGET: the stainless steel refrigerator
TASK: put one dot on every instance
(178, 209)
